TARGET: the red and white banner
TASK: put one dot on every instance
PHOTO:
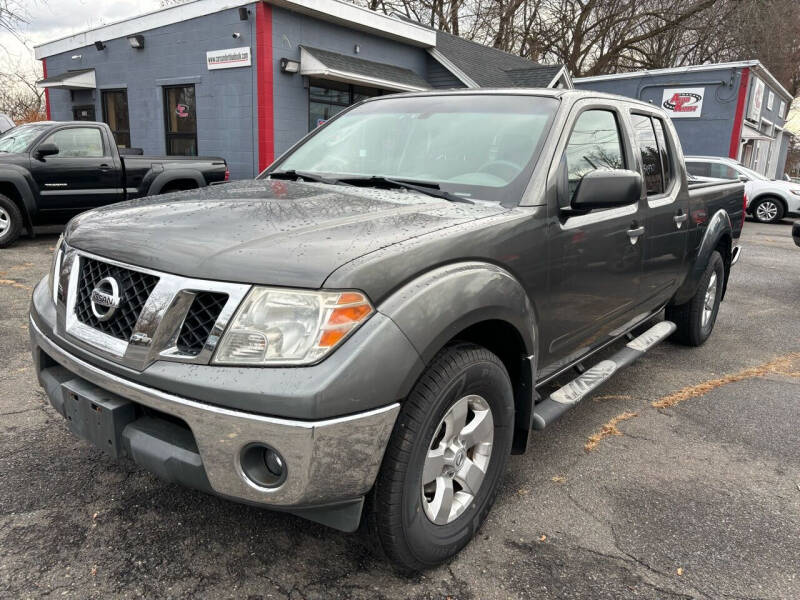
(683, 103)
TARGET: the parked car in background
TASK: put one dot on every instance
(768, 200)
(6, 123)
(361, 331)
(51, 171)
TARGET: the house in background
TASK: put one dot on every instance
(246, 79)
(735, 109)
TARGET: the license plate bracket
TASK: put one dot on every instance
(96, 415)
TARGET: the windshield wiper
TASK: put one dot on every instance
(293, 175)
(430, 189)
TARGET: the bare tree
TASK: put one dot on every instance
(19, 97)
(12, 14)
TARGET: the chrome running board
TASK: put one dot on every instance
(564, 398)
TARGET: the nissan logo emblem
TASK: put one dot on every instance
(105, 298)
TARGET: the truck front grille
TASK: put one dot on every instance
(200, 319)
(134, 290)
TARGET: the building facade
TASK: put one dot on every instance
(245, 80)
(736, 109)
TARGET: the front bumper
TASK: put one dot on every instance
(328, 462)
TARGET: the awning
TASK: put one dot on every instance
(748, 134)
(82, 79)
(323, 64)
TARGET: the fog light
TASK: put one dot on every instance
(273, 462)
(263, 466)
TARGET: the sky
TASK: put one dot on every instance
(52, 19)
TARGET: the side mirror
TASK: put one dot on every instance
(46, 150)
(743, 179)
(607, 189)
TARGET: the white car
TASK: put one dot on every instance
(768, 200)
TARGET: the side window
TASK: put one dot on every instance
(699, 169)
(651, 159)
(665, 151)
(722, 171)
(77, 142)
(595, 143)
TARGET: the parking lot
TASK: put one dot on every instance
(680, 478)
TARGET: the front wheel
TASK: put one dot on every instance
(10, 222)
(768, 210)
(695, 319)
(444, 462)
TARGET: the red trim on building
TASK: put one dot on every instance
(264, 70)
(736, 134)
(46, 91)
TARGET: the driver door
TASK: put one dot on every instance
(81, 176)
(596, 256)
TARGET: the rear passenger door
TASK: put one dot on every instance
(595, 256)
(666, 223)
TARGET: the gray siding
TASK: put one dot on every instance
(226, 118)
(711, 133)
(782, 155)
(289, 31)
(439, 77)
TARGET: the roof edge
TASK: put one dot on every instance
(754, 64)
(450, 66)
(336, 11)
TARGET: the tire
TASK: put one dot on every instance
(768, 210)
(399, 517)
(693, 327)
(10, 222)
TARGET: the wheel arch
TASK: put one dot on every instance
(168, 178)
(477, 302)
(14, 186)
(718, 234)
(770, 195)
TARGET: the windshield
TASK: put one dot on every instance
(475, 146)
(19, 138)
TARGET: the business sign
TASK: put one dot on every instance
(228, 59)
(756, 100)
(683, 103)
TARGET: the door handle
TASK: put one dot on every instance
(635, 233)
(104, 167)
(680, 219)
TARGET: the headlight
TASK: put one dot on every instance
(55, 269)
(795, 192)
(283, 326)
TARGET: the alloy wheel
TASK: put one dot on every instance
(767, 210)
(5, 221)
(709, 301)
(457, 459)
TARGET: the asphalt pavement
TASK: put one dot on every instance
(680, 478)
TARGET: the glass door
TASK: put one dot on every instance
(180, 114)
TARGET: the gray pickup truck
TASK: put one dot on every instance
(358, 335)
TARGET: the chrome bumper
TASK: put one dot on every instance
(326, 461)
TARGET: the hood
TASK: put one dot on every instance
(263, 231)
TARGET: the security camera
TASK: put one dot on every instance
(237, 35)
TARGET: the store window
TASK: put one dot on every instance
(180, 115)
(326, 99)
(115, 114)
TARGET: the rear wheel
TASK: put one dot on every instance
(444, 462)
(768, 210)
(695, 319)
(10, 222)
